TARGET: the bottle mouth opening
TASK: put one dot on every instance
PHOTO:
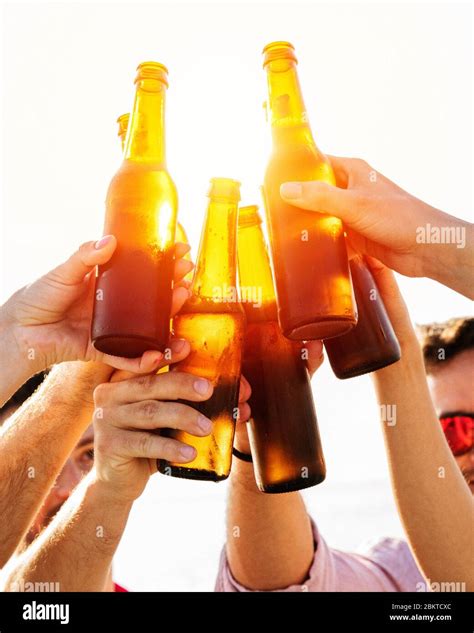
(278, 50)
(249, 216)
(122, 121)
(224, 188)
(152, 70)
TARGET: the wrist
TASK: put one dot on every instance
(17, 365)
(107, 494)
(447, 254)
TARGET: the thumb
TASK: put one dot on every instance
(322, 197)
(88, 255)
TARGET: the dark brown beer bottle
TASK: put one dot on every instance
(212, 320)
(312, 279)
(134, 289)
(283, 429)
(372, 344)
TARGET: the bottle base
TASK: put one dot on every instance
(189, 473)
(291, 486)
(322, 329)
(368, 368)
(127, 346)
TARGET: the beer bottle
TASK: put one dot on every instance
(212, 320)
(134, 289)
(372, 343)
(283, 429)
(180, 232)
(312, 279)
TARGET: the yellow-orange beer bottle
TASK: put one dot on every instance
(283, 429)
(180, 232)
(133, 291)
(312, 278)
(212, 320)
(372, 343)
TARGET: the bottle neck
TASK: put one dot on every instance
(286, 110)
(255, 275)
(215, 277)
(146, 135)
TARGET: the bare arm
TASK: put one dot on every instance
(433, 499)
(36, 441)
(77, 548)
(269, 537)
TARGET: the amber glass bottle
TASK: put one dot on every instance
(312, 279)
(283, 429)
(213, 321)
(372, 344)
(180, 232)
(133, 291)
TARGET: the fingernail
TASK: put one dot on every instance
(158, 358)
(177, 345)
(103, 241)
(187, 452)
(204, 424)
(291, 190)
(201, 386)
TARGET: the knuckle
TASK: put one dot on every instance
(101, 393)
(149, 409)
(145, 382)
(143, 442)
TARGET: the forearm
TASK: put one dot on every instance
(269, 537)
(433, 499)
(452, 263)
(36, 441)
(77, 548)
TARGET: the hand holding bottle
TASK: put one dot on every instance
(388, 223)
(48, 321)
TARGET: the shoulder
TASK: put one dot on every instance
(394, 557)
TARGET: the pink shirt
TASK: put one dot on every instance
(388, 565)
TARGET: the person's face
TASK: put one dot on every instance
(78, 464)
(452, 391)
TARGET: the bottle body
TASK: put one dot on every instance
(309, 255)
(312, 279)
(134, 289)
(216, 340)
(283, 429)
(213, 322)
(372, 343)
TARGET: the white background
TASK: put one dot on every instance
(391, 83)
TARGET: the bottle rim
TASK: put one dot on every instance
(224, 188)
(249, 216)
(278, 50)
(152, 70)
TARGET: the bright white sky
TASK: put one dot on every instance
(391, 83)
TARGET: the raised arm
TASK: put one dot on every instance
(270, 541)
(77, 548)
(36, 441)
(433, 499)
